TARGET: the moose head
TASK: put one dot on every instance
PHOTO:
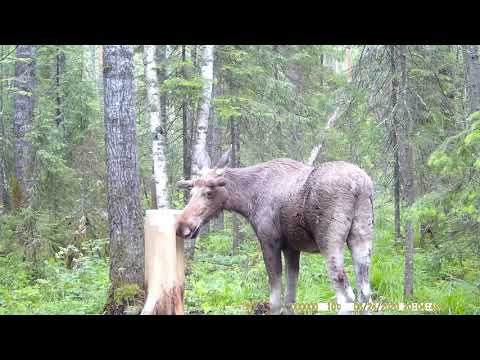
(208, 195)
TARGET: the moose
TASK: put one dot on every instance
(292, 207)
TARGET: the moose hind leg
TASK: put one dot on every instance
(361, 257)
(360, 243)
(343, 291)
(333, 242)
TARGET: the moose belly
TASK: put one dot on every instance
(300, 239)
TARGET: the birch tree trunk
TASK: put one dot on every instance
(161, 56)
(200, 157)
(214, 133)
(200, 148)
(156, 127)
(24, 103)
(169, 106)
(123, 182)
(472, 75)
(237, 236)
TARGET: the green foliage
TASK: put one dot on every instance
(229, 106)
(474, 136)
(51, 288)
(454, 210)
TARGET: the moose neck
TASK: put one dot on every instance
(241, 187)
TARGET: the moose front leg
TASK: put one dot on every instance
(292, 263)
(273, 263)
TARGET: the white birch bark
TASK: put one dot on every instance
(158, 133)
(200, 155)
(170, 109)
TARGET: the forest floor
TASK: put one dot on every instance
(221, 283)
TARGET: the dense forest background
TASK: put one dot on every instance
(408, 115)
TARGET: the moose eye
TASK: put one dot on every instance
(209, 194)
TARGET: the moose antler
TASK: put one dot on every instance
(185, 184)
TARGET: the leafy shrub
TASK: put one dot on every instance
(52, 288)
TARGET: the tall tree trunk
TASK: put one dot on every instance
(123, 182)
(167, 73)
(185, 129)
(395, 134)
(214, 133)
(59, 117)
(407, 166)
(59, 68)
(157, 127)
(472, 72)
(2, 185)
(161, 57)
(199, 152)
(167, 105)
(200, 148)
(3, 189)
(322, 69)
(24, 102)
(237, 236)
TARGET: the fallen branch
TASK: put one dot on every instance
(316, 151)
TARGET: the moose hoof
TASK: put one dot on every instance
(288, 310)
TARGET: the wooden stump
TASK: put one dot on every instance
(164, 264)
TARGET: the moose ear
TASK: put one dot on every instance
(224, 160)
(185, 184)
(221, 182)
